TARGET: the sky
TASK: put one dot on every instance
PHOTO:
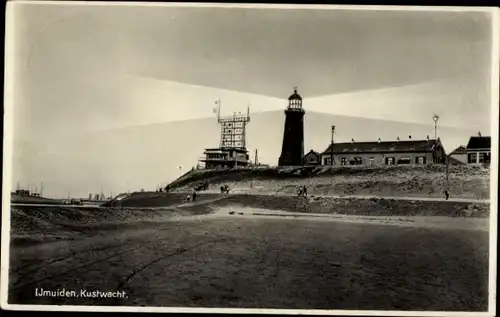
(78, 69)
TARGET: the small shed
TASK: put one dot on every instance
(312, 158)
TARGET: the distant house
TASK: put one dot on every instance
(312, 158)
(458, 156)
(479, 150)
(410, 152)
(22, 192)
(25, 192)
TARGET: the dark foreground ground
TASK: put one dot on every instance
(252, 262)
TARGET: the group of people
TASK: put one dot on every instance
(161, 190)
(192, 197)
(302, 190)
(224, 189)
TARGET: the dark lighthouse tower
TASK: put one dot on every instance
(292, 151)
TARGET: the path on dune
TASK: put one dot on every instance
(230, 261)
(406, 198)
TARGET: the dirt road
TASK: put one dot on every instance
(272, 262)
(240, 191)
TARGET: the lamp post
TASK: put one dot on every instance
(435, 118)
(331, 146)
(447, 167)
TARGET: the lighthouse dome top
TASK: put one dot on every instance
(295, 95)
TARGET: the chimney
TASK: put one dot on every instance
(428, 137)
(352, 140)
(409, 137)
(397, 139)
(379, 140)
(479, 133)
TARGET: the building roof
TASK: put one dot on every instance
(479, 142)
(459, 150)
(313, 152)
(383, 147)
(226, 149)
(454, 161)
(295, 95)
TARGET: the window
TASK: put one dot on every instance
(389, 160)
(344, 161)
(487, 158)
(472, 158)
(404, 160)
(420, 160)
(327, 161)
(371, 159)
(357, 161)
(482, 157)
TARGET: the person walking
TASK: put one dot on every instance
(304, 190)
(299, 191)
(447, 194)
(194, 195)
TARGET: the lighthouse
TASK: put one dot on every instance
(292, 151)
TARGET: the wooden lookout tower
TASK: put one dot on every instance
(232, 151)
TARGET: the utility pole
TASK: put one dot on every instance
(447, 166)
(331, 146)
(256, 158)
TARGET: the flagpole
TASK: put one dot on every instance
(218, 108)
